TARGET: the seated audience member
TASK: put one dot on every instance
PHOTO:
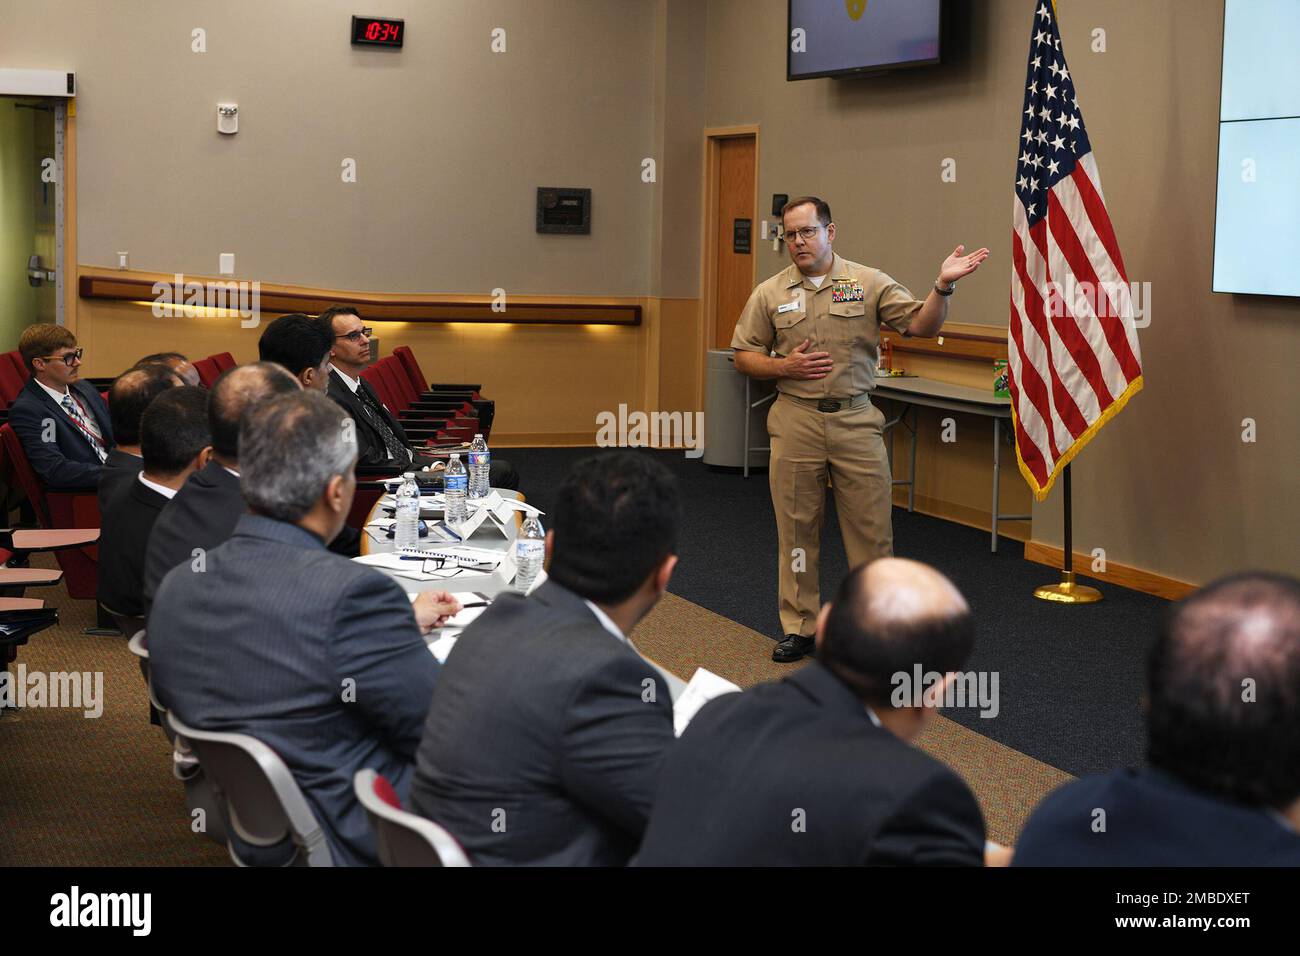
(62, 422)
(131, 394)
(298, 343)
(175, 361)
(267, 635)
(1223, 723)
(379, 433)
(206, 509)
(174, 442)
(543, 743)
(818, 769)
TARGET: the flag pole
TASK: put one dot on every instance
(1068, 592)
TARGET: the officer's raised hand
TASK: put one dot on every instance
(959, 264)
(803, 364)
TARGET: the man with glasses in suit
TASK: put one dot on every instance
(62, 422)
(380, 435)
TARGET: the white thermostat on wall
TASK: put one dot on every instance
(227, 118)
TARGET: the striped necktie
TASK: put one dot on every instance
(86, 424)
(370, 405)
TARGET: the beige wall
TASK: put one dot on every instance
(450, 139)
(1168, 486)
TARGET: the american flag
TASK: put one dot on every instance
(1073, 352)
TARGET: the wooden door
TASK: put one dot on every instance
(735, 200)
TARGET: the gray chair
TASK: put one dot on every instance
(185, 765)
(263, 804)
(402, 838)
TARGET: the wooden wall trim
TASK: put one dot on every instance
(1138, 579)
(424, 307)
(969, 342)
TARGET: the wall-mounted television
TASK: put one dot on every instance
(1257, 208)
(848, 37)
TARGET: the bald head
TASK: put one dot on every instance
(175, 361)
(898, 592)
(1223, 690)
(889, 616)
(239, 389)
(134, 391)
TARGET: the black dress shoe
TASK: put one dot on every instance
(792, 648)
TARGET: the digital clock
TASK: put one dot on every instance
(378, 31)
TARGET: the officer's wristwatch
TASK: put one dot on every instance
(952, 287)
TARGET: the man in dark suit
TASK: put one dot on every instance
(62, 422)
(380, 435)
(1223, 724)
(131, 394)
(174, 442)
(818, 769)
(544, 741)
(206, 509)
(297, 342)
(319, 657)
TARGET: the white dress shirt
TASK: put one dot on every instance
(348, 380)
(161, 489)
(57, 396)
(606, 622)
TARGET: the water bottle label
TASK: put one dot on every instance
(456, 482)
(477, 458)
(531, 549)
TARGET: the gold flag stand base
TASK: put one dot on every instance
(1068, 592)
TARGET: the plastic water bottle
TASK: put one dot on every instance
(407, 524)
(455, 487)
(480, 459)
(530, 553)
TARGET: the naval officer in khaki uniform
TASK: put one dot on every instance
(815, 328)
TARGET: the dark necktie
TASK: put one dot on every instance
(370, 406)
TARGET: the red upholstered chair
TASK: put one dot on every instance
(401, 837)
(61, 510)
(469, 393)
(462, 419)
(224, 361)
(422, 385)
(16, 360)
(11, 383)
(208, 371)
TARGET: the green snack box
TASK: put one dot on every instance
(1001, 383)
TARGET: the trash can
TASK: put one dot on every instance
(725, 411)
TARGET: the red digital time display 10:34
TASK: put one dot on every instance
(378, 31)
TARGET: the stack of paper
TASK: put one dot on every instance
(704, 685)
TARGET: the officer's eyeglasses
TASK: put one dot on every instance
(356, 335)
(68, 358)
(807, 232)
